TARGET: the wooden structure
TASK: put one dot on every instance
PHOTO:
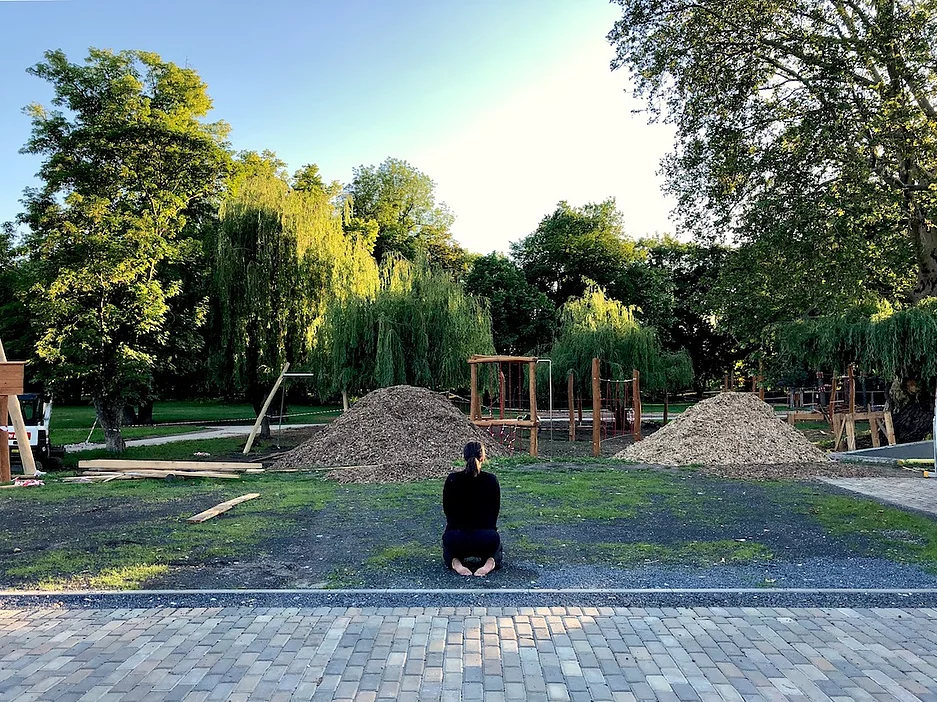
(843, 415)
(597, 405)
(475, 409)
(835, 403)
(12, 377)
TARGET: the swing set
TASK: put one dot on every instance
(503, 380)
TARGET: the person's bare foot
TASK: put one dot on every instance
(489, 566)
(459, 568)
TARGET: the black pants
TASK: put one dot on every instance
(471, 543)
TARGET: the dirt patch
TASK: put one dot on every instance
(806, 471)
(728, 429)
(394, 434)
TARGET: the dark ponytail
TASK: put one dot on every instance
(474, 454)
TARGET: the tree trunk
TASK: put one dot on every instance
(130, 417)
(145, 412)
(925, 240)
(110, 411)
(912, 411)
(258, 404)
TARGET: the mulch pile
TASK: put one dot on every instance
(730, 429)
(394, 434)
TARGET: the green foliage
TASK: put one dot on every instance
(128, 162)
(596, 326)
(522, 317)
(277, 256)
(806, 132)
(400, 200)
(19, 339)
(889, 344)
(693, 270)
(418, 329)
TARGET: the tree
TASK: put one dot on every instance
(693, 270)
(127, 157)
(896, 345)
(401, 200)
(574, 246)
(805, 125)
(418, 329)
(596, 326)
(522, 317)
(15, 330)
(278, 256)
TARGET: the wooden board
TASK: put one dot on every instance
(220, 508)
(168, 473)
(12, 376)
(502, 359)
(118, 464)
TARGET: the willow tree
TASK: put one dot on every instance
(419, 328)
(597, 326)
(279, 253)
(897, 346)
(128, 161)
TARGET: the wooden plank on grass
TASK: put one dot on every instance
(118, 464)
(220, 509)
(175, 474)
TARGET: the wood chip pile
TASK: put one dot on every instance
(731, 428)
(395, 434)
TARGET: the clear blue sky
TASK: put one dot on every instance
(508, 105)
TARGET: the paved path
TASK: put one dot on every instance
(475, 654)
(913, 493)
(210, 433)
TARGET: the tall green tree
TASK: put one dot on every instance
(694, 270)
(401, 201)
(419, 328)
(806, 128)
(278, 255)
(574, 246)
(523, 319)
(127, 156)
(19, 340)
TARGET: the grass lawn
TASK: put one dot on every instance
(306, 530)
(71, 424)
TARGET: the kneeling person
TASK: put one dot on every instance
(471, 499)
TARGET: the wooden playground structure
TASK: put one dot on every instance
(615, 412)
(11, 384)
(506, 389)
(835, 403)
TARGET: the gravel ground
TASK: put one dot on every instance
(530, 598)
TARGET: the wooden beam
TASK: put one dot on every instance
(495, 422)
(19, 427)
(118, 464)
(502, 359)
(636, 401)
(220, 508)
(532, 386)
(145, 473)
(572, 406)
(5, 475)
(263, 410)
(851, 432)
(475, 411)
(851, 373)
(596, 409)
(889, 429)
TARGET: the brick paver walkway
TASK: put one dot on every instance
(915, 493)
(239, 654)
